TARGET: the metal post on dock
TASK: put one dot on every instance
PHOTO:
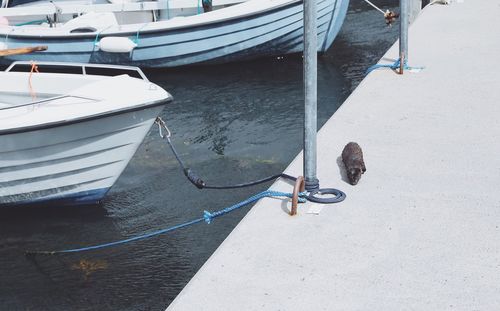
(403, 34)
(311, 110)
(310, 94)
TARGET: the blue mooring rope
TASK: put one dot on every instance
(207, 217)
(136, 39)
(392, 66)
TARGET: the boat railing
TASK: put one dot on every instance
(79, 68)
(43, 101)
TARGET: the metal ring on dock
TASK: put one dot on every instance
(299, 187)
(339, 196)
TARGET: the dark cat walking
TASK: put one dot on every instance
(352, 156)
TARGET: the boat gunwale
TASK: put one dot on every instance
(11, 34)
(101, 115)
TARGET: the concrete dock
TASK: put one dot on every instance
(421, 231)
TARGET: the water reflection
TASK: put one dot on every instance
(258, 103)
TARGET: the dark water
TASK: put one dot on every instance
(230, 123)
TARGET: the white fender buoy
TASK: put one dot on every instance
(4, 21)
(3, 46)
(116, 45)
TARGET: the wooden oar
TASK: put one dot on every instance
(25, 50)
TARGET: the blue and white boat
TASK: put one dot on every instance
(170, 36)
(66, 137)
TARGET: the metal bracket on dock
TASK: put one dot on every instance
(300, 186)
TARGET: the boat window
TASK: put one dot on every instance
(83, 30)
(13, 3)
(48, 68)
(76, 68)
(111, 72)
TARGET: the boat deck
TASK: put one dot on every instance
(421, 231)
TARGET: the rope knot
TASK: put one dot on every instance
(302, 197)
(162, 125)
(390, 17)
(34, 68)
(394, 66)
(208, 216)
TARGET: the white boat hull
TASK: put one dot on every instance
(241, 32)
(74, 163)
(67, 137)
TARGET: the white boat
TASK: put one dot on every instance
(171, 33)
(66, 137)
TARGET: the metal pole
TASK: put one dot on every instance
(310, 94)
(403, 33)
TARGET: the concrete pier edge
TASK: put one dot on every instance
(421, 230)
